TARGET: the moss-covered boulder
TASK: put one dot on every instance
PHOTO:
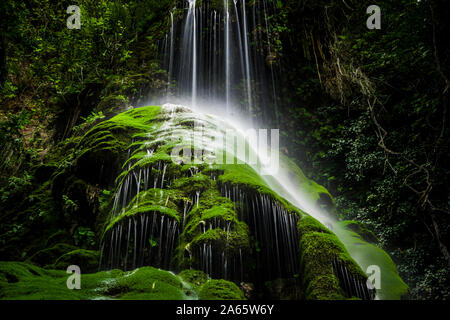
(220, 290)
(25, 281)
(194, 277)
(146, 284)
(20, 280)
(322, 257)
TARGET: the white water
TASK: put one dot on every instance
(222, 70)
(220, 60)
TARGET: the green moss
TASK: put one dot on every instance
(159, 201)
(20, 280)
(318, 248)
(367, 254)
(194, 277)
(246, 178)
(194, 184)
(147, 284)
(296, 177)
(220, 290)
(212, 221)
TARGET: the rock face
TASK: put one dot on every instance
(149, 209)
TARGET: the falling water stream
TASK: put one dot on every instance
(217, 63)
(220, 59)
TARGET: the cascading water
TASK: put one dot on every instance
(216, 59)
(199, 211)
(149, 215)
(219, 60)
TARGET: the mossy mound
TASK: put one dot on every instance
(152, 201)
(146, 283)
(196, 278)
(19, 280)
(24, 281)
(220, 290)
(320, 249)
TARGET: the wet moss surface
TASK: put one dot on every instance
(319, 247)
(219, 225)
(25, 281)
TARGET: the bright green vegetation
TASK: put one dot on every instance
(25, 281)
(319, 247)
(220, 290)
(194, 277)
(366, 254)
(150, 201)
(213, 220)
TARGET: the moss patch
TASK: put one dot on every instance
(318, 249)
(220, 290)
(20, 280)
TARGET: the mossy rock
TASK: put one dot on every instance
(319, 247)
(87, 260)
(194, 277)
(22, 281)
(220, 290)
(147, 283)
(50, 255)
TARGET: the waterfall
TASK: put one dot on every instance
(247, 59)
(171, 54)
(227, 57)
(147, 220)
(219, 59)
(220, 63)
